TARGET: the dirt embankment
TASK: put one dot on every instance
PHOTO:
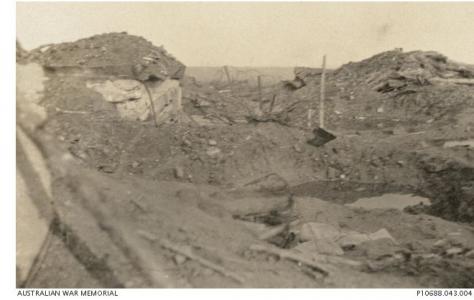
(235, 173)
(223, 128)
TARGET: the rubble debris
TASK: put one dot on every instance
(222, 128)
(328, 239)
(435, 269)
(286, 254)
(454, 251)
(272, 211)
(352, 239)
(132, 102)
(318, 231)
(179, 259)
(453, 201)
(409, 85)
(179, 172)
(186, 251)
(321, 137)
(441, 243)
(294, 84)
(381, 234)
(213, 151)
(305, 74)
(321, 246)
(112, 54)
(120, 90)
(465, 143)
(376, 248)
(469, 254)
(272, 232)
(462, 81)
(390, 201)
(273, 183)
(141, 80)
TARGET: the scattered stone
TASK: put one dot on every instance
(469, 254)
(443, 243)
(352, 239)
(119, 90)
(45, 48)
(186, 142)
(212, 142)
(269, 183)
(322, 246)
(179, 172)
(326, 246)
(131, 98)
(331, 173)
(179, 259)
(213, 209)
(213, 151)
(135, 164)
(203, 103)
(129, 284)
(381, 234)
(374, 249)
(430, 256)
(454, 251)
(272, 259)
(207, 272)
(457, 239)
(319, 231)
(106, 168)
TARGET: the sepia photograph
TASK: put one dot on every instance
(276, 145)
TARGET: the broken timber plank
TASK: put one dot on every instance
(187, 251)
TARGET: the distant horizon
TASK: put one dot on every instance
(260, 66)
(260, 34)
(254, 66)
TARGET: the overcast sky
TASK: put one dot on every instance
(261, 34)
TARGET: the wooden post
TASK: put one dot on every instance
(321, 99)
(227, 74)
(259, 84)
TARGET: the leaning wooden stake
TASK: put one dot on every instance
(310, 116)
(152, 105)
(285, 254)
(321, 98)
(227, 74)
(259, 84)
(187, 251)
